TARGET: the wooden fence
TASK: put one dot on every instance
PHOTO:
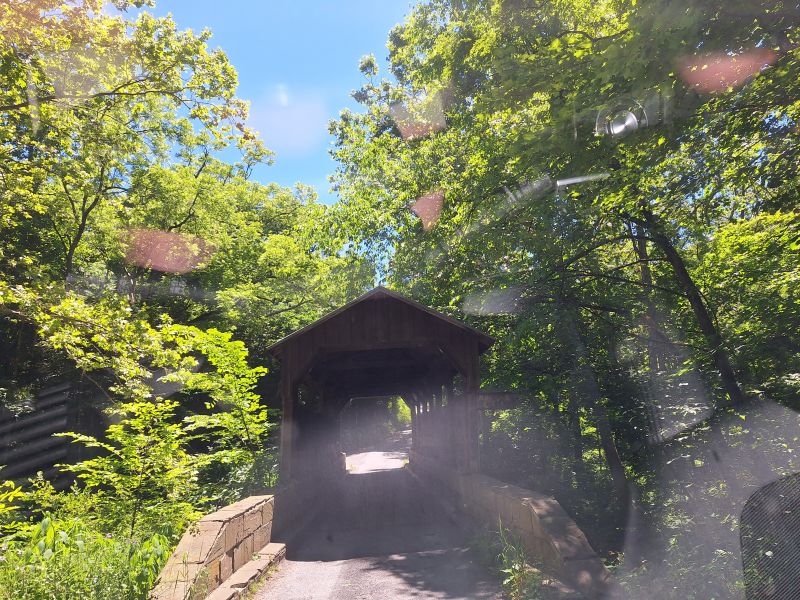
(28, 444)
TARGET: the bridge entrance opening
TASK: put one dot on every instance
(351, 511)
(375, 434)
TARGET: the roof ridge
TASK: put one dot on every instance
(382, 290)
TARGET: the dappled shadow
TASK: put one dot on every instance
(381, 534)
(330, 543)
(445, 573)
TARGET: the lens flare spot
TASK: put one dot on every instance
(421, 117)
(717, 71)
(505, 301)
(428, 208)
(167, 251)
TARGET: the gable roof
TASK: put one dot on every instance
(484, 341)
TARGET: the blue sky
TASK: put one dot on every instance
(297, 62)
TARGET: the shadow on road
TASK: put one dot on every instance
(381, 534)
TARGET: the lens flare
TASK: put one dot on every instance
(504, 301)
(428, 208)
(420, 118)
(716, 72)
(167, 251)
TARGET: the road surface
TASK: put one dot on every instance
(382, 536)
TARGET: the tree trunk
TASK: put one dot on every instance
(574, 421)
(657, 340)
(69, 258)
(589, 391)
(704, 320)
(654, 331)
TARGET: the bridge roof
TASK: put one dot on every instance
(423, 312)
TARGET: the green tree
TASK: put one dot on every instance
(184, 406)
(626, 306)
(93, 99)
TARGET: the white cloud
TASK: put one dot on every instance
(290, 124)
(282, 94)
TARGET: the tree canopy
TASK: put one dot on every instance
(139, 257)
(609, 189)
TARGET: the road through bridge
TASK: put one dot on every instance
(394, 522)
(380, 535)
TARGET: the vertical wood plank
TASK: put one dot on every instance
(287, 413)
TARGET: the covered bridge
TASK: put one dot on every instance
(387, 532)
(380, 344)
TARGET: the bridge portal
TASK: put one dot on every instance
(380, 344)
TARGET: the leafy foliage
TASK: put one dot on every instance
(648, 303)
(68, 560)
(506, 555)
(132, 253)
(647, 316)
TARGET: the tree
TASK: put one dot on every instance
(601, 291)
(115, 127)
(183, 403)
(94, 99)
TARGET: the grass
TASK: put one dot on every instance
(506, 556)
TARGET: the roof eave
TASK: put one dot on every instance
(484, 341)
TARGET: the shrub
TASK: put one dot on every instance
(506, 555)
(166, 458)
(520, 580)
(55, 559)
(145, 479)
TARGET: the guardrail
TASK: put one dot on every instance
(223, 554)
(550, 537)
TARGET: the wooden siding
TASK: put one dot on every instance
(28, 444)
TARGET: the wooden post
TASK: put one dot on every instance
(287, 391)
(472, 384)
(433, 419)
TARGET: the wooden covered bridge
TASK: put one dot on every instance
(381, 344)
(390, 533)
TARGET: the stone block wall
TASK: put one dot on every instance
(538, 521)
(215, 548)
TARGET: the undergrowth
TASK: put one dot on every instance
(54, 559)
(505, 554)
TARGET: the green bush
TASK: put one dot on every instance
(521, 581)
(506, 555)
(162, 463)
(401, 414)
(54, 559)
(10, 496)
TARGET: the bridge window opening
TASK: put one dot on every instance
(375, 433)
